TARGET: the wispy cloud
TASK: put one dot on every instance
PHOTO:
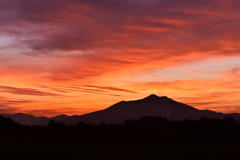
(26, 91)
(88, 89)
(110, 88)
(70, 89)
(10, 105)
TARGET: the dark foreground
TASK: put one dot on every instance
(148, 138)
(63, 151)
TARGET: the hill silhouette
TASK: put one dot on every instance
(26, 119)
(152, 105)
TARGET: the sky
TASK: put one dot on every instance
(78, 56)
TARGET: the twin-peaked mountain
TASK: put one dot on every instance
(152, 105)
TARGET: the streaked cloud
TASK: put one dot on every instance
(110, 88)
(26, 91)
(88, 89)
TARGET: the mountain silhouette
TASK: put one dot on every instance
(32, 120)
(26, 118)
(152, 105)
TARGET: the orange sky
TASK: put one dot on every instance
(74, 57)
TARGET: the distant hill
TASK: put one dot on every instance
(32, 120)
(26, 119)
(152, 105)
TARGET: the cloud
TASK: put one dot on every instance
(77, 27)
(118, 39)
(153, 75)
(13, 102)
(26, 91)
(88, 89)
(10, 105)
(236, 71)
(110, 88)
(73, 88)
(8, 110)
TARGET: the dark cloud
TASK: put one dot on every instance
(13, 102)
(74, 88)
(26, 91)
(88, 25)
(110, 88)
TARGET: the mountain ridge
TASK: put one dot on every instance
(151, 105)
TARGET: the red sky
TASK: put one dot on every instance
(77, 56)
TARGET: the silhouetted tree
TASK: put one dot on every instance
(229, 119)
(56, 125)
(83, 125)
(103, 123)
(8, 123)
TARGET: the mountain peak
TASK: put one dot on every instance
(154, 96)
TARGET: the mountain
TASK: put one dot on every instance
(26, 119)
(32, 120)
(152, 105)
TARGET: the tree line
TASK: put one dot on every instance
(154, 130)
